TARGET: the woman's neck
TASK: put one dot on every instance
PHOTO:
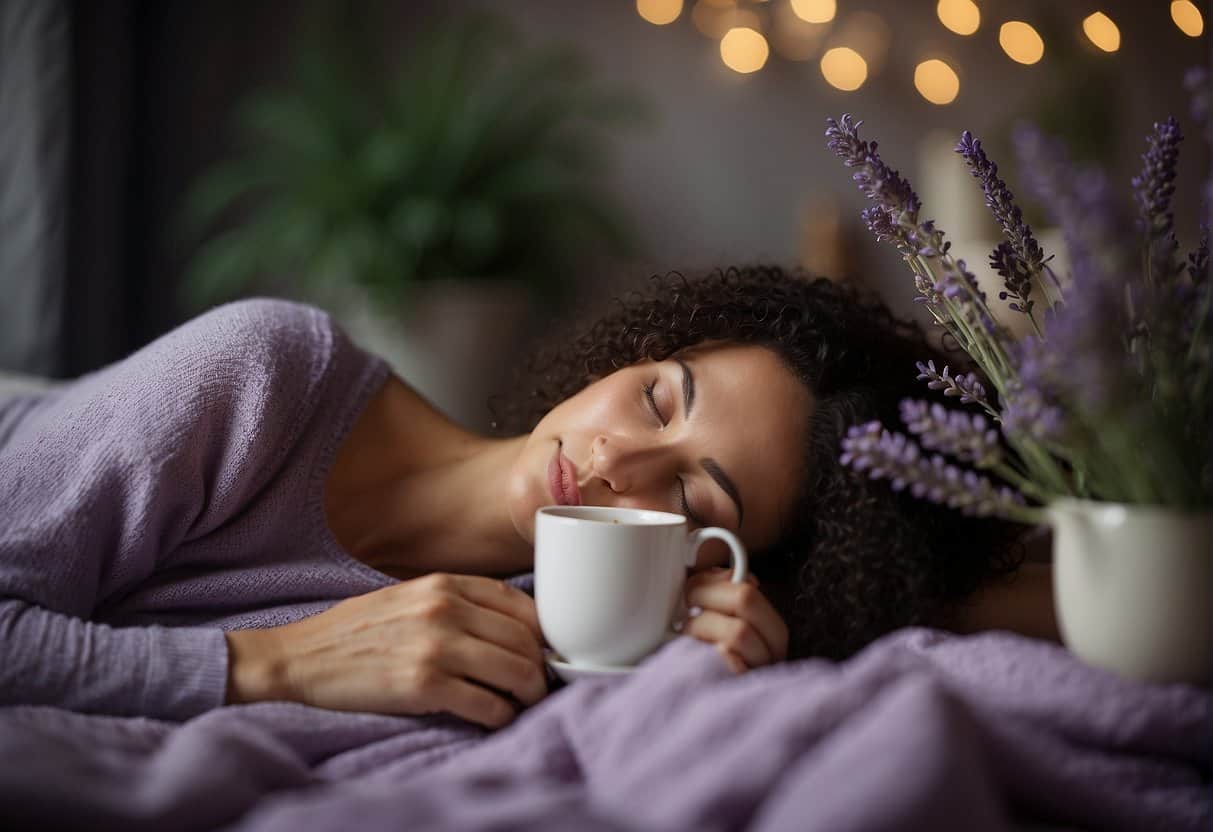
(411, 492)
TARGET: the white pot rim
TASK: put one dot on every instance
(1105, 508)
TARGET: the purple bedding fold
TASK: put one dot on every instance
(922, 730)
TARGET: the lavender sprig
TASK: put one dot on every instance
(946, 286)
(968, 437)
(1027, 412)
(1110, 399)
(1077, 199)
(1153, 189)
(1016, 277)
(878, 181)
(965, 386)
(1019, 259)
(883, 454)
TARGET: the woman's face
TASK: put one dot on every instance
(716, 433)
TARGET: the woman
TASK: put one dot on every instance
(251, 508)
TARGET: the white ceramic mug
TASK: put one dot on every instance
(608, 581)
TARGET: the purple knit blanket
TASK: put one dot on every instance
(922, 730)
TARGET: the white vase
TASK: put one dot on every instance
(1133, 587)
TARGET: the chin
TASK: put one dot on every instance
(521, 505)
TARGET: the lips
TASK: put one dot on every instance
(562, 479)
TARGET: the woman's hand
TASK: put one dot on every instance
(737, 618)
(454, 643)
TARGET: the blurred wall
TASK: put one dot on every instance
(735, 161)
(738, 160)
(35, 110)
(728, 174)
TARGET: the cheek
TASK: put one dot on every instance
(603, 405)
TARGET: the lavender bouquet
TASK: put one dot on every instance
(1108, 398)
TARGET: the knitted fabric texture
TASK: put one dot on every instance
(149, 506)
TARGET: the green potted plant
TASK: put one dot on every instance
(472, 166)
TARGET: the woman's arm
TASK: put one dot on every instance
(55, 659)
(100, 484)
(462, 644)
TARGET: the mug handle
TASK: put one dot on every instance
(699, 536)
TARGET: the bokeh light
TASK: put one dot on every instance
(960, 16)
(659, 12)
(865, 33)
(1187, 17)
(1101, 31)
(815, 11)
(744, 50)
(936, 81)
(791, 37)
(1021, 42)
(715, 17)
(844, 68)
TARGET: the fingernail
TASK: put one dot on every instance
(694, 612)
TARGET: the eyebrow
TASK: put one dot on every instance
(688, 387)
(710, 465)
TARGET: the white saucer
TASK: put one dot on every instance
(573, 672)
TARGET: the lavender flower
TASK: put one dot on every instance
(1020, 258)
(1016, 277)
(894, 219)
(1027, 413)
(878, 181)
(893, 456)
(1153, 189)
(895, 199)
(1110, 399)
(1081, 364)
(1077, 199)
(969, 438)
(956, 283)
(967, 387)
(885, 229)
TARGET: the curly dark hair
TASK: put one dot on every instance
(855, 559)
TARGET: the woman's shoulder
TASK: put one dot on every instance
(240, 367)
(266, 329)
(262, 347)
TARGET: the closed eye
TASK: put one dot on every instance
(686, 507)
(648, 393)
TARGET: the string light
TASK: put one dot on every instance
(1187, 17)
(1101, 31)
(815, 11)
(936, 81)
(659, 12)
(744, 50)
(844, 68)
(1021, 42)
(797, 28)
(960, 16)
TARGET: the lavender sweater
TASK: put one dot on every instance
(149, 506)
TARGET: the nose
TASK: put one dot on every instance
(626, 465)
